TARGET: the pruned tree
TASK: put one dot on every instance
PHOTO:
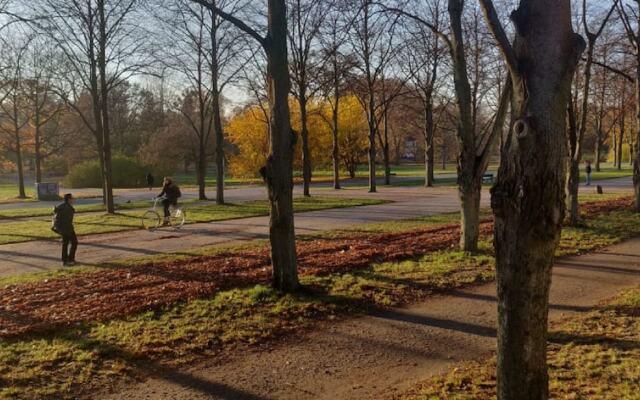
(576, 128)
(13, 115)
(43, 106)
(423, 62)
(204, 50)
(278, 173)
(373, 43)
(102, 47)
(474, 144)
(528, 197)
(630, 16)
(337, 67)
(306, 17)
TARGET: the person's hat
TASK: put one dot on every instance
(68, 196)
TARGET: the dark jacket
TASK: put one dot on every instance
(588, 168)
(63, 219)
(150, 180)
(171, 191)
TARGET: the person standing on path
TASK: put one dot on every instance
(588, 171)
(150, 181)
(63, 226)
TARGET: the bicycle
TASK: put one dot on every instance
(152, 220)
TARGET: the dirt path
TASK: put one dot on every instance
(42, 255)
(377, 355)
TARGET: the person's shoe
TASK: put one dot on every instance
(71, 263)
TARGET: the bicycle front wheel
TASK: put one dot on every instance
(177, 217)
(150, 220)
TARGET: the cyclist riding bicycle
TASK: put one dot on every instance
(171, 193)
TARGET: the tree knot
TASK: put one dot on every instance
(522, 127)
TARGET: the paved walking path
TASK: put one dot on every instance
(377, 355)
(408, 202)
(41, 255)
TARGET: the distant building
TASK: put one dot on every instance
(410, 152)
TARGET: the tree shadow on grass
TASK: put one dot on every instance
(139, 367)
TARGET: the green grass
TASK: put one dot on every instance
(608, 172)
(9, 193)
(591, 356)
(29, 212)
(93, 223)
(59, 365)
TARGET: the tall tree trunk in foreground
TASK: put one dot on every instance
(528, 197)
(279, 169)
(278, 173)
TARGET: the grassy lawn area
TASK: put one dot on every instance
(607, 171)
(80, 209)
(9, 193)
(59, 363)
(92, 223)
(592, 356)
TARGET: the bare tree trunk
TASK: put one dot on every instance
(18, 143)
(37, 142)
(428, 144)
(306, 155)
(385, 149)
(598, 150)
(575, 133)
(219, 132)
(335, 151)
(528, 196)
(618, 150)
(636, 159)
(444, 157)
(104, 109)
(468, 186)
(279, 168)
(372, 144)
(470, 194)
(575, 154)
(201, 168)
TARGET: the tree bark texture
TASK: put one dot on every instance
(279, 168)
(528, 198)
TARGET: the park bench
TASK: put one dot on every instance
(487, 178)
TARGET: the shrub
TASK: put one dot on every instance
(126, 172)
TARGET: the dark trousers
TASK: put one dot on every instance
(69, 254)
(168, 203)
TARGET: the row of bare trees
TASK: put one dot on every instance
(521, 94)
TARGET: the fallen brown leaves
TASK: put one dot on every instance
(111, 293)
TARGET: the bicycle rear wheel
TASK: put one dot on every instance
(150, 220)
(177, 217)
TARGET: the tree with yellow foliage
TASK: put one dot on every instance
(248, 132)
